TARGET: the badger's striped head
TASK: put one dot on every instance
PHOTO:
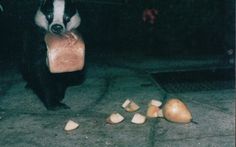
(57, 16)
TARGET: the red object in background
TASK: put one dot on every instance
(150, 15)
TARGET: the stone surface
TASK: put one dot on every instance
(24, 122)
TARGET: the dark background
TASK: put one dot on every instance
(183, 27)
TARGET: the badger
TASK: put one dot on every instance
(56, 17)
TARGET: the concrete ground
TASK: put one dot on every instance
(24, 122)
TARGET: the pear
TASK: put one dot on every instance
(176, 111)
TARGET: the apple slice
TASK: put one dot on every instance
(126, 103)
(138, 118)
(155, 103)
(71, 125)
(160, 113)
(115, 118)
(152, 111)
(130, 106)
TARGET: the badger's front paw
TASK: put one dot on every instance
(58, 106)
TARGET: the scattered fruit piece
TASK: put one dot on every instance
(155, 103)
(126, 103)
(130, 106)
(176, 111)
(71, 125)
(115, 118)
(153, 111)
(160, 113)
(138, 119)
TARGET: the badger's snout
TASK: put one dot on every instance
(57, 29)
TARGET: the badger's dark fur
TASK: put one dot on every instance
(55, 16)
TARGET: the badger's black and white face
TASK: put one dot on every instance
(57, 16)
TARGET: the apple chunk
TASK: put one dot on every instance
(155, 103)
(138, 119)
(130, 106)
(126, 103)
(115, 118)
(71, 125)
(152, 111)
(160, 113)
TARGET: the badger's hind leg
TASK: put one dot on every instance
(61, 88)
(48, 89)
(52, 96)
